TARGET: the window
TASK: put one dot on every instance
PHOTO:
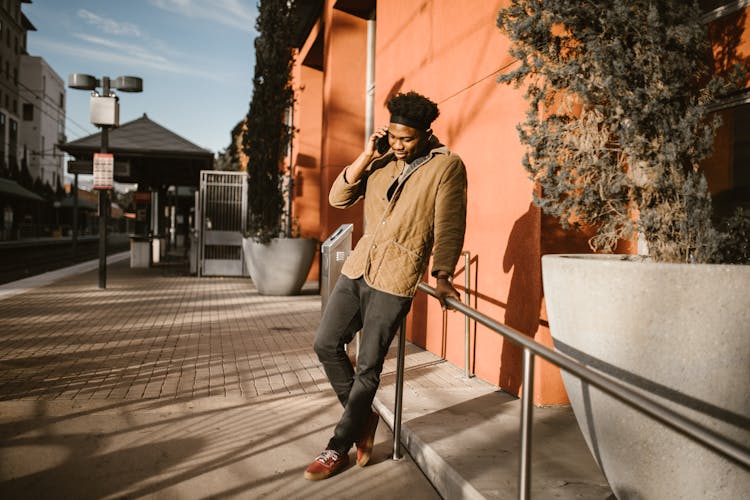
(28, 112)
(62, 100)
(2, 136)
(43, 146)
(728, 169)
(13, 139)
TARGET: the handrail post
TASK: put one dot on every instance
(527, 410)
(398, 406)
(467, 327)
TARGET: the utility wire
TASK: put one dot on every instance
(498, 70)
(52, 103)
(33, 93)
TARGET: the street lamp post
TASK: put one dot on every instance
(104, 113)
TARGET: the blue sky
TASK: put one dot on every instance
(195, 57)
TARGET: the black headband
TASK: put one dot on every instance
(409, 122)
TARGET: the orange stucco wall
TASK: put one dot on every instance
(345, 38)
(453, 55)
(306, 154)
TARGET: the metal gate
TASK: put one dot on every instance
(223, 218)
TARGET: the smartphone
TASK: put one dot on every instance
(382, 144)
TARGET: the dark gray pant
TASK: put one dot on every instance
(353, 306)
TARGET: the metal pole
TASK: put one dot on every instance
(467, 284)
(527, 410)
(103, 202)
(370, 78)
(290, 178)
(75, 216)
(398, 406)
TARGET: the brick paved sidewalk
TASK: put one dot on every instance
(171, 337)
(169, 386)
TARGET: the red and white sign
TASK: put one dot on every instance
(104, 167)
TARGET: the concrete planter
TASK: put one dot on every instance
(281, 266)
(678, 331)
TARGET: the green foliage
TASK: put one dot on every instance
(734, 243)
(25, 179)
(267, 136)
(617, 123)
(229, 159)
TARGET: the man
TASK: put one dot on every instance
(415, 206)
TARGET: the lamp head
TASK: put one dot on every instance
(82, 81)
(128, 84)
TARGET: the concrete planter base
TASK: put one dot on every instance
(680, 332)
(281, 266)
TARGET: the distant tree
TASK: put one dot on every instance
(49, 192)
(124, 199)
(266, 138)
(24, 176)
(37, 186)
(13, 171)
(229, 158)
(59, 190)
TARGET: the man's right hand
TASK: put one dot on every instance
(354, 171)
(371, 148)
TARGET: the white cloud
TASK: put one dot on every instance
(109, 26)
(128, 56)
(239, 14)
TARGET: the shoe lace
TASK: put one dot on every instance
(327, 457)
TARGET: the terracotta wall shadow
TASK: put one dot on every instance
(522, 311)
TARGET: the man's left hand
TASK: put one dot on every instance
(443, 290)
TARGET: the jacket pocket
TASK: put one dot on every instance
(398, 269)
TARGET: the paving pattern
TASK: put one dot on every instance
(156, 333)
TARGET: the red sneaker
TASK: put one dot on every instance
(367, 439)
(328, 463)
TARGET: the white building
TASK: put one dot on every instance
(42, 94)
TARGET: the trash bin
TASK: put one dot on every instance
(140, 251)
(334, 252)
(193, 252)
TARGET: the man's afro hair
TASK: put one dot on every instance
(414, 106)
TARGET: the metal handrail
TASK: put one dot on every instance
(643, 403)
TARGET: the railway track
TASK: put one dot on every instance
(25, 258)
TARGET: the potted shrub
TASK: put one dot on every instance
(616, 131)
(278, 261)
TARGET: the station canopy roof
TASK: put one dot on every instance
(155, 156)
(11, 189)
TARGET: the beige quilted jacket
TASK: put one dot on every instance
(426, 214)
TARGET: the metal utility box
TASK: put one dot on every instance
(334, 252)
(105, 111)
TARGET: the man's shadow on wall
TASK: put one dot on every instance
(533, 235)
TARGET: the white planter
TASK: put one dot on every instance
(678, 331)
(281, 266)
